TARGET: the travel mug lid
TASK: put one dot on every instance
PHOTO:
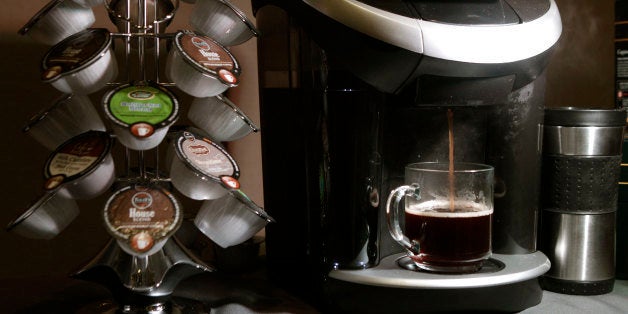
(574, 117)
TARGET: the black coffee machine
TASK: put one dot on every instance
(352, 91)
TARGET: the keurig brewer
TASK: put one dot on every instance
(352, 92)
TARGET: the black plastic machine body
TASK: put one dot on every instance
(352, 91)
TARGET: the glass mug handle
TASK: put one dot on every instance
(392, 216)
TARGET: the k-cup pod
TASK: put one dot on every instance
(89, 3)
(201, 169)
(69, 116)
(82, 167)
(231, 219)
(142, 218)
(46, 217)
(200, 66)
(82, 63)
(126, 12)
(222, 21)
(141, 114)
(220, 118)
(57, 20)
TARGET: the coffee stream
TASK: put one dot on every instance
(450, 122)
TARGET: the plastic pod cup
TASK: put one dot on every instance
(231, 219)
(158, 12)
(68, 116)
(200, 66)
(89, 3)
(222, 21)
(141, 114)
(57, 20)
(46, 217)
(82, 167)
(82, 63)
(142, 218)
(220, 118)
(200, 168)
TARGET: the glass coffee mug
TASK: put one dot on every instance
(447, 215)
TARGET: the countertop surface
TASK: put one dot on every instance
(242, 294)
(556, 303)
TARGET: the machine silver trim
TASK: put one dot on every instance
(464, 43)
(397, 30)
(388, 273)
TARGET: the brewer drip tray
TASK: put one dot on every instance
(398, 271)
(490, 266)
(506, 283)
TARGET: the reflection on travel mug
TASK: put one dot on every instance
(447, 215)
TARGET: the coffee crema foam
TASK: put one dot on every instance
(440, 208)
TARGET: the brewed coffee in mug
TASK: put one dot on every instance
(448, 215)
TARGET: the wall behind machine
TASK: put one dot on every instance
(581, 72)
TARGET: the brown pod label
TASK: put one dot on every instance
(75, 52)
(142, 215)
(206, 53)
(76, 157)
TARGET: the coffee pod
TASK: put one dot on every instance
(200, 66)
(142, 218)
(220, 118)
(46, 217)
(68, 116)
(141, 114)
(89, 3)
(57, 20)
(200, 168)
(231, 219)
(82, 63)
(82, 167)
(222, 21)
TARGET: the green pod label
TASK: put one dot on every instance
(146, 104)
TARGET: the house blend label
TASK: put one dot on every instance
(206, 52)
(142, 216)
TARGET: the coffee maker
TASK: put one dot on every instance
(351, 92)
